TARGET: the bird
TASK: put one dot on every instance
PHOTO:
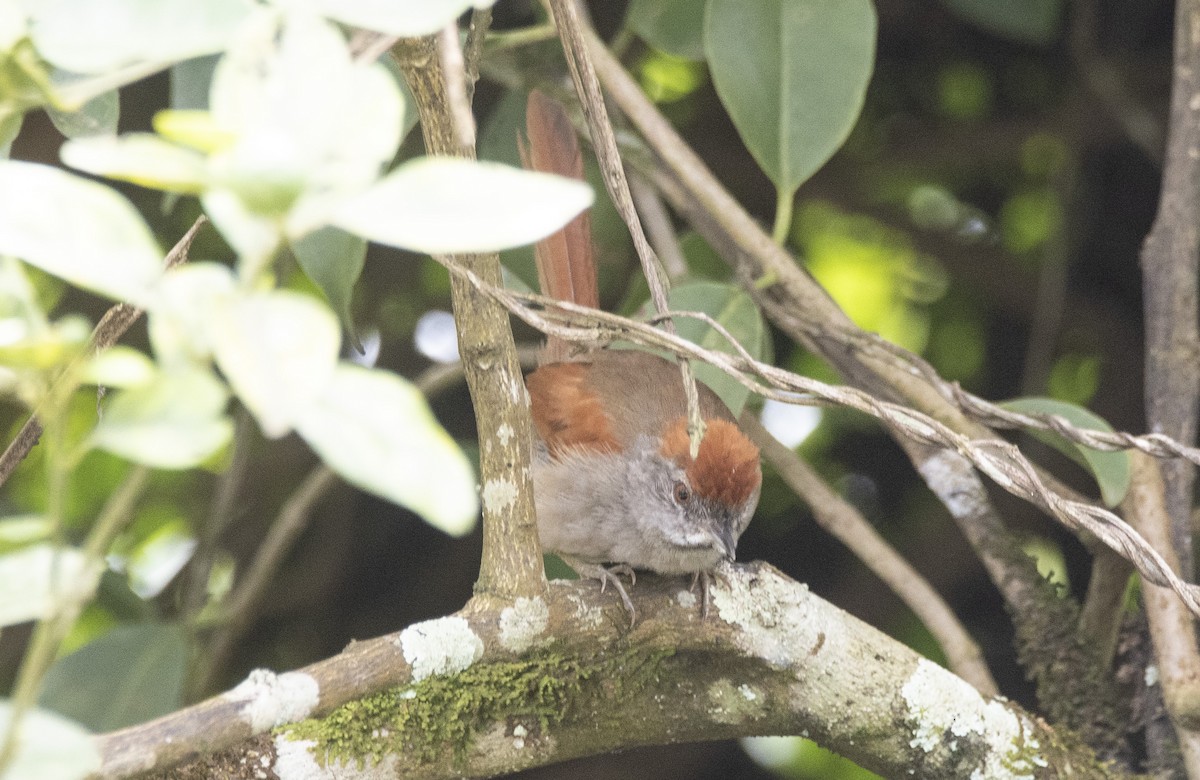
(616, 487)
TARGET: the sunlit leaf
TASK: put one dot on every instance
(444, 205)
(140, 158)
(107, 249)
(794, 92)
(376, 430)
(673, 26)
(102, 35)
(1110, 469)
(175, 421)
(49, 747)
(333, 259)
(35, 579)
(132, 674)
(406, 19)
(311, 125)
(278, 350)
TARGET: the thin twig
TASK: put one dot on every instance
(107, 332)
(658, 227)
(840, 519)
(455, 71)
(477, 31)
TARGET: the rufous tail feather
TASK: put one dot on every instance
(565, 263)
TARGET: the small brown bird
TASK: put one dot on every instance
(614, 480)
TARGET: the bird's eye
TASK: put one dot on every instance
(682, 493)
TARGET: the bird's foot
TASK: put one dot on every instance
(609, 575)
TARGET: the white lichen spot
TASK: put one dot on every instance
(728, 704)
(407, 693)
(522, 623)
(442, 646)
(588, 616)
(505, 434)
(499, 494)
(771, 613)
(944, 710)
(1151, 675)
(269, 700)
(686, 599)
(748, 693)
(946, 467)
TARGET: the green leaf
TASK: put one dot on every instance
(176, 421)
(119, 366)
(102, 35)
(673, 26)
(33, 580)
(190, 83)
(405, 19)
(108, 248)
(444, 205)
(1024, 21)
(141, 158)
(376, 430)
(49, 747)
(278, 350)
(792, 74)
(333, 259)
(733, 309)
(1110, 469)
(98, 116)
(130, 675)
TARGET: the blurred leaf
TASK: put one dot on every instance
(792, 74)
(376, 430)
(98, 116)
(736, 311)
(673, 26)
(25, 345)
(406, 19)
(33, 580)
(190, 82)
(1048, 557)
(19, 531)
(1029, 219)
(311, 126)
(1023, 21)
(102, 35)
(130, 675)
(1074, 378)
(176, 421)
(188, 297)
(141, 158)
(666, 78)
(278, 351)
(333, 259)
(108, 248)
(1110, 469)
(444, 205)
(119, 366)
(49, 747)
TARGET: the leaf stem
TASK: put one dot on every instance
(783, 216)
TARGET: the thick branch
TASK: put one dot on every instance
(1170, 259)
(512, 561)
(496, 690)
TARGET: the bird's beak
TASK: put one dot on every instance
(728, 541)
